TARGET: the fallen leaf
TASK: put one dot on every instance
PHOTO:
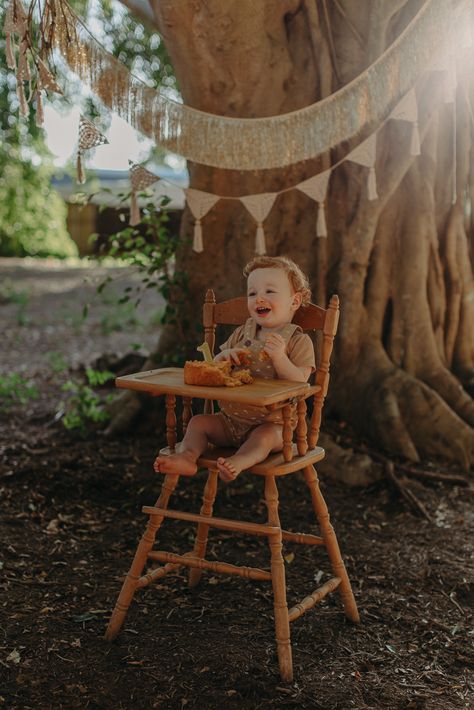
(13, 657)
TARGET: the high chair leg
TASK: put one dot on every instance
(146, 543)
(282, 623)
(200, 543)
(332, 545)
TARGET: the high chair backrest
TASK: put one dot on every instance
(310, 318)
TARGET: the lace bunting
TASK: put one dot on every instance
(140, 179)
(89, 137)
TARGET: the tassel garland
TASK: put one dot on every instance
(140, 179)
(321, 228)
(20, 92)
(81, 177)
(39, 109)
(11, 64)
(23, 72)
(134, 210)
(260, 247)
(198, 245)
(372, 185)
(415, 148)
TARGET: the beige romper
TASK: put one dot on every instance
(239, 419)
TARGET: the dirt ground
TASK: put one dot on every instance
(71, 518)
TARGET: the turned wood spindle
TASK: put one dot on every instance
(171, 421)
(301, 428)
(287, 433)
(282, 623)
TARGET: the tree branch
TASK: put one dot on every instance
(141, 9)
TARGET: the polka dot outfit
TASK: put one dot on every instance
(239, 419)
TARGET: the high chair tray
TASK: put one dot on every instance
(170, 380)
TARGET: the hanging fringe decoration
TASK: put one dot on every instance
(39, 109)
(316, 187)
(200, 203)
(11, 64)
(321, 228)
(46, 79)
(415, 148)
(198, 245)
(259, 207)
(8, 29)
(372, 185)
(15, 23)
(140, 179)
(81, 176)
(260, 247)
(89, 137)
(20, 92)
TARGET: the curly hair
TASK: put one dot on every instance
(296, 277)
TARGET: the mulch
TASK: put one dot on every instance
(71, 519)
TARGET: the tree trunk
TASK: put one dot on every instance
(402, 265)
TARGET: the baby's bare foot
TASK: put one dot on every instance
(228, 471)
(182, 464)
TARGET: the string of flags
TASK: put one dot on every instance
(259, 205)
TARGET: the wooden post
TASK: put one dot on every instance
(322, 375)
(282, 623)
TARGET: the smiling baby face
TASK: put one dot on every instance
(270, 297)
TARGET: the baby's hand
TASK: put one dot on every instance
(232, 354)
(275, 346)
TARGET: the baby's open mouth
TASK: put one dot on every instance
(262, 310)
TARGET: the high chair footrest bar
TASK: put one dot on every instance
(222, 523)
(302, 538)
(308, 602)
(218, 567)
(159, 573)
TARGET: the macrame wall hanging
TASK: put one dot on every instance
(32, 73)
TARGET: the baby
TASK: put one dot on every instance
(272, 347)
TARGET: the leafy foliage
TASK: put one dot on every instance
(15, 389)
(84, 406)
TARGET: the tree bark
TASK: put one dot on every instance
(402, 265)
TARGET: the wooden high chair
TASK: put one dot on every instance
(299, 456)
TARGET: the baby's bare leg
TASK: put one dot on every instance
(202, 429)
(263, 440)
